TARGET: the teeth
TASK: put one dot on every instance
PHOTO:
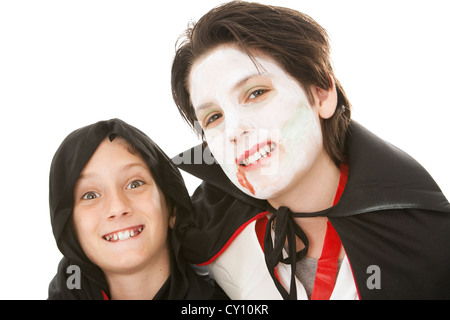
(261, 153)
(122, 235)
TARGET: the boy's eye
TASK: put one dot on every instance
(257, 93)
(135, 184)
(212, 118)
(90, 195)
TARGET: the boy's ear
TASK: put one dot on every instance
(326, 100)
(172, 217)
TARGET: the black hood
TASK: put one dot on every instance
(69, 160)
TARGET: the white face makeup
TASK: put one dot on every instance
(259, 125)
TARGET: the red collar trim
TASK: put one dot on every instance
(105, 296)
(327, 264)
(234, 236)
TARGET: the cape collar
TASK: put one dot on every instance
(381, 177)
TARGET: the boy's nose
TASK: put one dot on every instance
(116, 215)
(239, 131)
(118, 206)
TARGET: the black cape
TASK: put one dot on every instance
(68, 162)
(391, 215)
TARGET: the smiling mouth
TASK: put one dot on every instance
(123, 234)
(255, 154)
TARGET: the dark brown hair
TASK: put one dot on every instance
(294, 40)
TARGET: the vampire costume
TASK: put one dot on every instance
(68, 162)
(389, 214)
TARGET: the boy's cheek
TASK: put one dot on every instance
(216, 140)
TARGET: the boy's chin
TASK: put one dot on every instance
(257, 192)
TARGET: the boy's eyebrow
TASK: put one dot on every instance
(86, 176)
(134, 164)
(242, 82)
(203, 106)
(125, 167)
(238, 85)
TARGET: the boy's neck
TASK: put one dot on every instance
(142, 284)
(315, 191)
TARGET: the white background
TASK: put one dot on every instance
(66, 64)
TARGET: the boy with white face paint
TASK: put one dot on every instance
(259, 81)
(260, 126)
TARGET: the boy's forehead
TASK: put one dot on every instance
(116, 152)
(225, 69)
(225, 58)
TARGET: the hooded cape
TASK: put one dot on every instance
(69, 160)
(391, 215)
